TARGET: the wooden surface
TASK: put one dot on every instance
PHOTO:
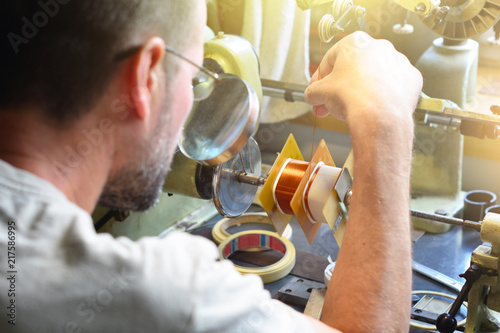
(314, 306)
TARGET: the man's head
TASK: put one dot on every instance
(62, 63)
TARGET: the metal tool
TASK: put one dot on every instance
(298, 291)
(343, 13)
(290, 92)
(463, 19)
(445, 219)
(259, 180)
(231, 195)
(446, 322)
(442, 112)
(429, 111)
(437, 276)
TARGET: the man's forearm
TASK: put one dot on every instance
(371, 285)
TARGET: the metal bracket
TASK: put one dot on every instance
(298, 291)
(344, 191)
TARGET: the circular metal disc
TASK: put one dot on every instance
(219, 126)
(231, 197)
(464, 19)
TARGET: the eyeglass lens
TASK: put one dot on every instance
(203, 85)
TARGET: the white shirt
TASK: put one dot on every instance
(63, 277)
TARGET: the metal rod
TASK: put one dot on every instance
(437, 276)
(446, 219)
(290, 92)
(247, 178)
(256, 180)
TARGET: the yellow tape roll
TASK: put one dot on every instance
(219, 231)
(265, 239)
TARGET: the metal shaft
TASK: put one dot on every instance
(247, 178)
(290, 92)
(437, 276)
(446, 219)
(256, 180)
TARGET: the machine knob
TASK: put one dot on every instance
(446, 322)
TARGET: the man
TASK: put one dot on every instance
(91, 107)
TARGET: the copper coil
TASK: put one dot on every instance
(287, 183)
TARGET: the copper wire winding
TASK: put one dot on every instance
(287, 183)
(293, 171)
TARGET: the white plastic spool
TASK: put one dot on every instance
(318, 189)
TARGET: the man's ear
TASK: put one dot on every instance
(143, 75)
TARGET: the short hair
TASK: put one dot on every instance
(58, 55)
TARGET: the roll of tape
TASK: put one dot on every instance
(264, 239)
(219, 231)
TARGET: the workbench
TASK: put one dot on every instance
(448, 253)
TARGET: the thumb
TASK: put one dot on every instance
(313, 94)
(322, 95)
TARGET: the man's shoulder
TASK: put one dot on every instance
(28, 199)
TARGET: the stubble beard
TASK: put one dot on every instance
(137, 186)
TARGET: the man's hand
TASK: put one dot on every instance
(361, 77)
(375, 89)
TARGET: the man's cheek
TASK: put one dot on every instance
(185, 106)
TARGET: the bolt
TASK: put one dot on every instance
(360, 12)
(335, 30)
(441, 212)
(420, 9)
(440, 14)
(348, 198)
(491, 272)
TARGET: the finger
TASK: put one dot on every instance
(312, 94)
(356, 40)
(327, 63)
(322, 95)
(320, 111)
(314, 77)
(324, 69)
